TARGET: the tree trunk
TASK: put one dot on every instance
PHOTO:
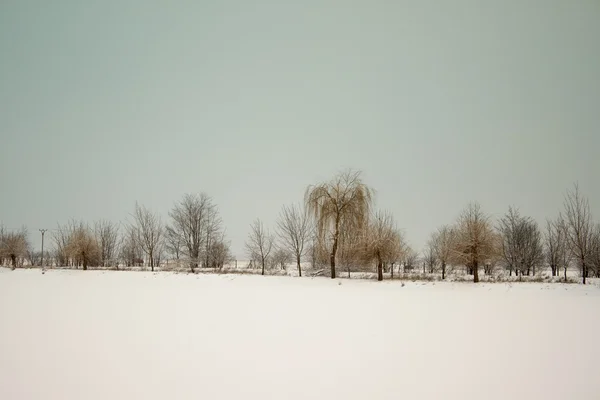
(475, 272)
(263, 266)
(584, 270)
(392, 272)
(565, 274)
(379, 269)
(332, 257)
(298, 262)
(13, 261)
(443, 270)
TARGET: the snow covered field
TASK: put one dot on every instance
(137, 335)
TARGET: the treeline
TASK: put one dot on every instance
(194, 235)
(335, 227)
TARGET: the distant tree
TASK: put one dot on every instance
(380, 240)
(521, 242)
(595, 250)
(173, 242)
(340, 204)
(442, 243)
(212, 231)
(475, 240)
(195, 228)
(82, 247)
(149, 231)
(410, 258)
(259, 244)
(62, 237)
(131, 252)
(555, 245)
(294, 230)
(107, 237)
(189, 219)
(578, 223)
(430, 258)
(14, 246)
(280, 258)
(220, 252)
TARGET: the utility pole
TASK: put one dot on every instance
(43, 231)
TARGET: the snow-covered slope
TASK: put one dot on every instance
(135, 335)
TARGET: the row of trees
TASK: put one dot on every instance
(338, 225)
(194, 235)
(335, 225)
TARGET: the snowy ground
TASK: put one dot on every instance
(137, 335)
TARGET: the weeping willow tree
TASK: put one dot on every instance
(338, 206)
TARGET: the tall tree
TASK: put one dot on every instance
(578, 223)
(294, 231)
(475, 239)
(340, 204)
(259, 244)
(148, 229)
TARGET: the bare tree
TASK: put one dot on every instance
(82, 247)
(429, 257)
(173, 242)
(578, 223)
(220, 252)
(410, 258)
(61, 237)
(14, 246)
(294, 231)
(195, 227)
(259, 244)
(475, 239)
(380, 240)
(595, 251)
(107, 236)
(131, 252)
(148, 230)
(521, 242)
(397, 253)
(442, 243)
(212, 231)
(280, 258)
(556, 246)
(338, 205)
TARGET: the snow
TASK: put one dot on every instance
(124, 335)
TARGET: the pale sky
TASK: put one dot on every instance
(438, 102)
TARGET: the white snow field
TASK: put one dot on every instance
(138, 335)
